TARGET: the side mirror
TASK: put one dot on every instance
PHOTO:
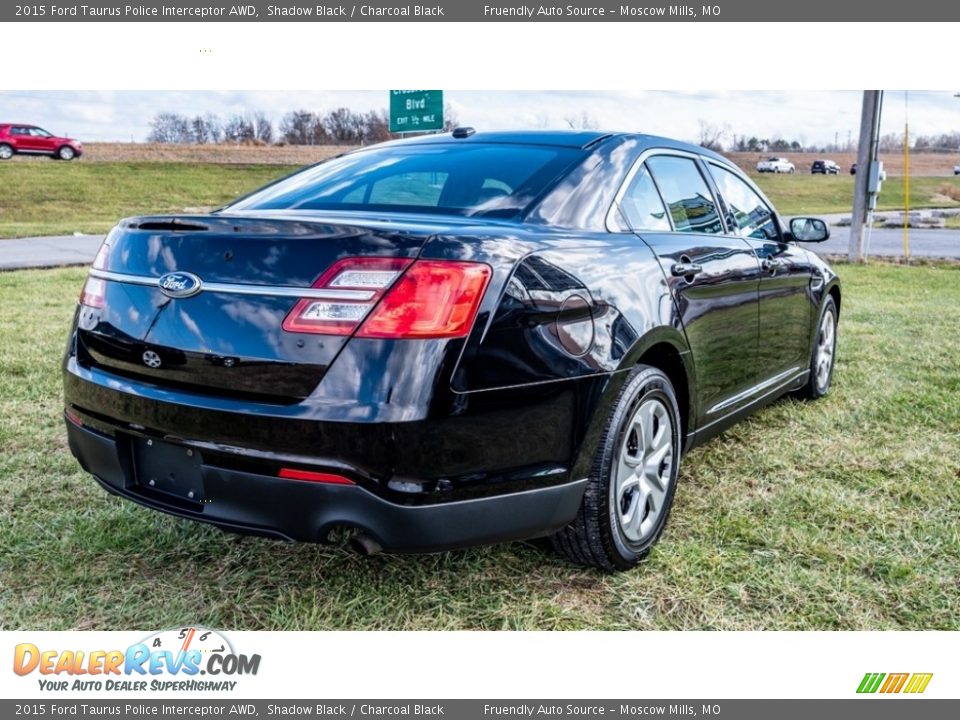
(806, 229)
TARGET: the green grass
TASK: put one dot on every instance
(838, 514)
(50, 198)
(810, 194)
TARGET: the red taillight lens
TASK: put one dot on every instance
(311, 476)
(94, 293)
(355, 285)
(433, 299)
(95, 290)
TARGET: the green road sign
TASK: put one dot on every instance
(416, 110)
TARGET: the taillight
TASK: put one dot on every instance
(431, 299)
(94, 293)
(355, 285)
(94, 289)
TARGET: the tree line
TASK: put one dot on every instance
(341, 126)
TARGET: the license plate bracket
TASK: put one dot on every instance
(168, 468)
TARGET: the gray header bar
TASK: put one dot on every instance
(643, 11)
(874, 708)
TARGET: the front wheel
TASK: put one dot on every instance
(824, 353)
(633, 479)
(6, 152)
(66, 153)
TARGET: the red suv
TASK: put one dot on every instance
(31, 140)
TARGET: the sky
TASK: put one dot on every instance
(811, 117)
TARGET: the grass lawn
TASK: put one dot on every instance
(55, 198)
(839, 514)
(802, 193)
(49, 198)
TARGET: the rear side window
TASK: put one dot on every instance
(752, 217)
(689, 200)
(465, 179)
(641, 205)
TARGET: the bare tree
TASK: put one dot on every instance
(451, 120)
(711, 136)
(169, 127)
(583, 121)
(297, 127)
(376, 127)
(238, 129)
(262, 128)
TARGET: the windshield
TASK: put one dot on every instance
(469, 179)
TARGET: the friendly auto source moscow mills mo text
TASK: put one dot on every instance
(633, 11)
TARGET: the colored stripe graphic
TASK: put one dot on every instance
(870, 682)
(894, 683)
(918, 682)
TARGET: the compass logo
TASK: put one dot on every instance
(187, 651)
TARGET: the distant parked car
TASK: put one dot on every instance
(853, 169)
(824, 167)
(32, 140)
(776, 165)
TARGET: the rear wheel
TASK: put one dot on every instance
(6, 152)
(824, 353)
(66, 153)
(633, 480)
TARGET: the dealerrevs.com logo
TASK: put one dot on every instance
(182, 659)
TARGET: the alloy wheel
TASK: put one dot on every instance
(825, 349)
(644, 471)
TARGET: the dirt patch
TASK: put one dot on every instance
(921, 164)
(205, 154)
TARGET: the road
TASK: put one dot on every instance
(889, 242)
(81, 249)
(48, 251)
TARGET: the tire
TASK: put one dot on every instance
(66, 153)
(618, 522)
(825, 342)
(6, 151)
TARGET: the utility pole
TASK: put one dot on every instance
(867, 180)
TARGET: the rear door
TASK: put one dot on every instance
(713, 277)
(786, 272)
(22, 138)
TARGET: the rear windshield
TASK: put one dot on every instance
(474, 179)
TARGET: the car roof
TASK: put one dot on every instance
(578, 139)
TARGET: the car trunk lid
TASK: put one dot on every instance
(217, 325)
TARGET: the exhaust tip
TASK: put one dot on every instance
(365, 545)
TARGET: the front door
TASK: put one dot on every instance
(786, 306)
(713, 278)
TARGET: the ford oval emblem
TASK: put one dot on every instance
(180, 284)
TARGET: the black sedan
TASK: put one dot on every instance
(447, 341)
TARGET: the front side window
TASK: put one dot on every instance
(641, 205)
(40, 132)
(748, 212)
(469, 179)
(689, 200)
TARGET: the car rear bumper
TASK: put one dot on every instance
(260, 504)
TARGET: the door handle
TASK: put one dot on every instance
(686, 269)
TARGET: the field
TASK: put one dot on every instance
(840, 514)
(42, 197)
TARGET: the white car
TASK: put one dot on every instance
(776, 165)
